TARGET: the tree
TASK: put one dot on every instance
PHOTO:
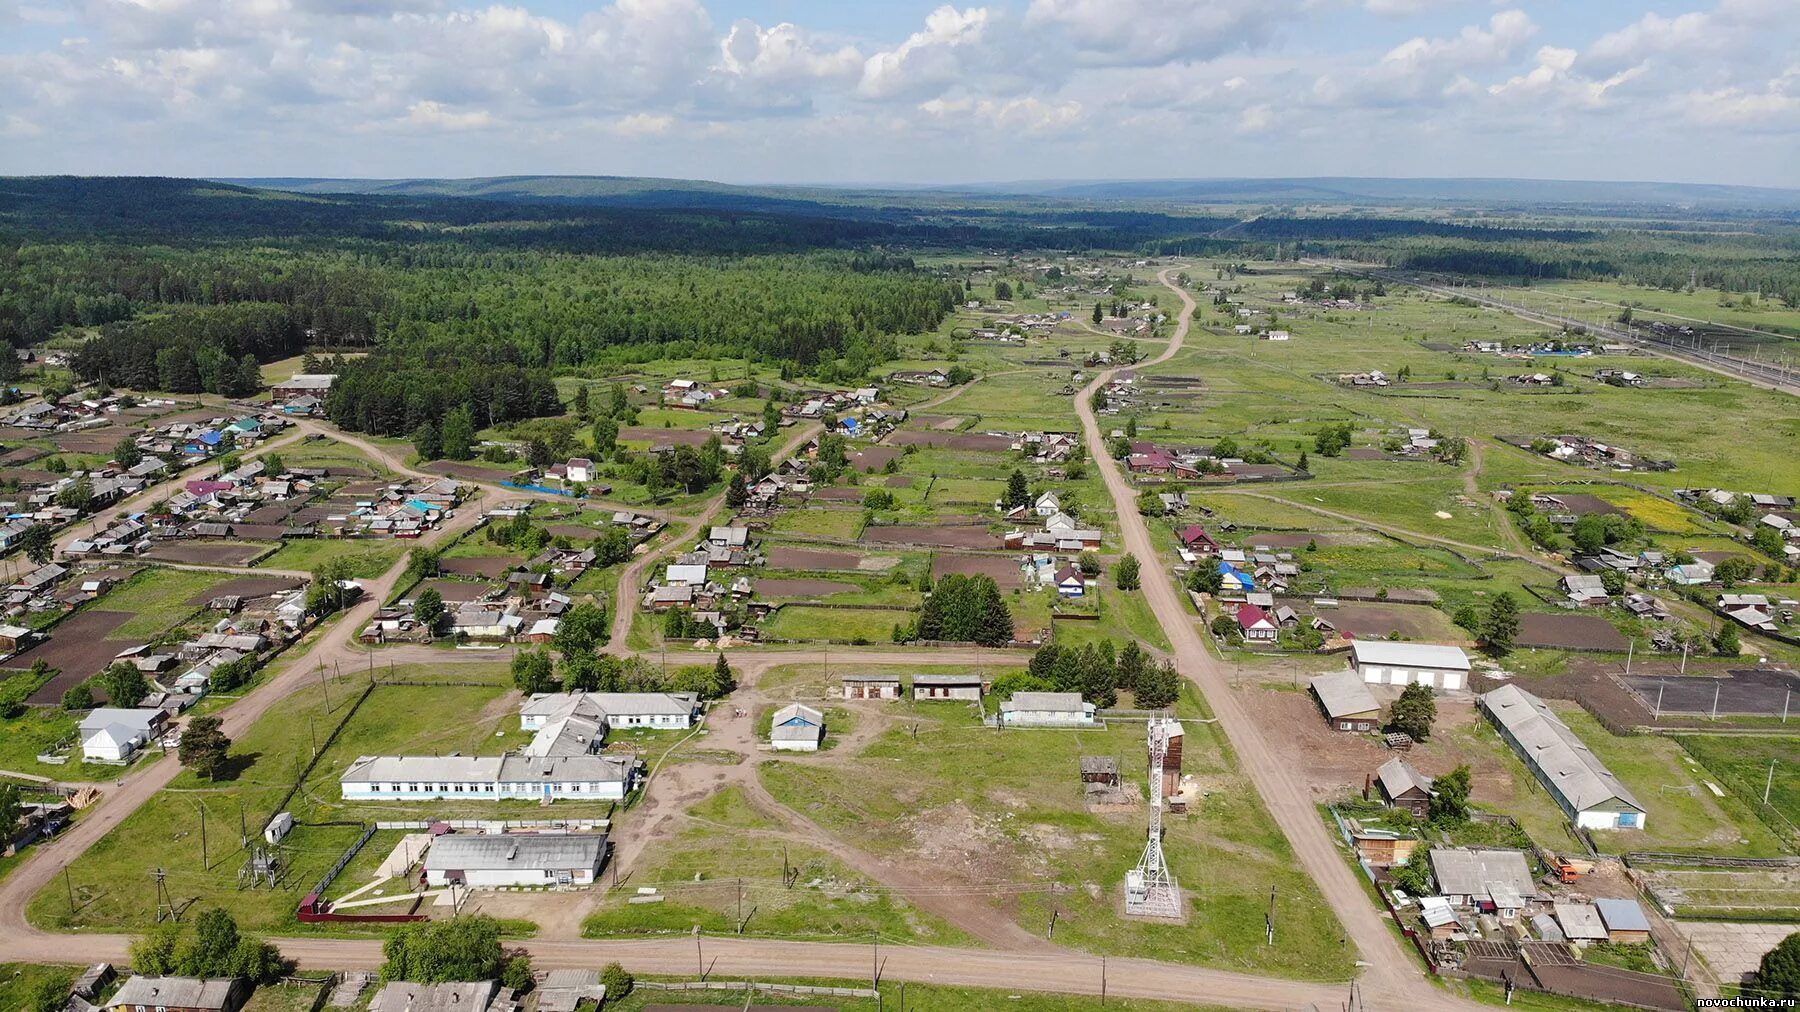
(1778, 975)
(878, 499)
(584, 630)
(737, 492)
(605, 436)
(431, 952)
(1018, 493)
(38, 544)
(459, 433)
(1450, 797)
(532, 672)
(1099, 675)
(79, 697)
(204, 747)
(428, 609)
(612, 546)
(153, 952)
(1413, 712)
(123, 684)
(10, 807)
(1613, 582)
(517, 974)
(209, 945)
(78, 495)
(1206, 580)
(1099, 314)
(1126, 573)
(1733, 571)
(126, 453)
(1725, 641)
(1414, 877)
(426, 442)
(1159, 686)
(1502, 623)
(724, 680)
(1131, 666)
(331, 588)
(618, 982)
(1224, 626)
(1088, 563)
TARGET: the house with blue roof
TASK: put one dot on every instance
(1235, 578)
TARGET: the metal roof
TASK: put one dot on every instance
(404, 996)
(498, 852)
(1468, 872)
(946, 679)
(1580, 922)
(175, 992)
(1343, 693)
(1069, 702)
(1622, 915)
(1410, 655)
(611, 704)
(1547, 744)
(1397, 776)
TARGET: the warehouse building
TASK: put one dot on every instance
(796, 727)
(1583, 787)
(1047, 709)
(1384, 662)
(489, 778)
(513, 860)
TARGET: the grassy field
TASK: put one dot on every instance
(1682, 816)
(932, 997)
(157, 599)
(368, 557)
(1743, 767)
(1022, 826)
(20, 983)
(37, 730)
(835, 624)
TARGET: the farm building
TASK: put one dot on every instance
(489, 778)
(1625, 921)
(511, 860)
(1583, 787)
(181, 994)
(405, 996)
(947, 687)
(1382, 847)
(1580, 922)
(797, 728)
(1404, 787)
(568, 990)
(871, 686)
(1382, 662)
(1492, 880)
(1047, 709)
(306, 384)
(1347, 704)
(113, 735)
(1100, 769)
(675, 710)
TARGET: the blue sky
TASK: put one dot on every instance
(894, 91)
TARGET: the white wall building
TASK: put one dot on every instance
(1047, 709)
(1381, 662)
(669, 710)
(513, 860)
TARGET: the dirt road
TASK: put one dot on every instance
(1392, 977)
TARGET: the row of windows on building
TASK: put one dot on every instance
(482, 788)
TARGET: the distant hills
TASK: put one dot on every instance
(633, 191)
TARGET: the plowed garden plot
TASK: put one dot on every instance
(20, 455)
(873, 458)
(273, 513)
(1581, 504)
(245, 586)
(78, 648)
(1004, 569)
(899, 481)
(469, 472)
(1568, 632)
(480, 565)
(1413, 622)
(805, 590)
(786, 557)
(1282, 541)
(100, 440)
(942, 537)
(577, 531)
(952, 440)
(208, 553)
(457, 591)
(673, 437)
(838, 494)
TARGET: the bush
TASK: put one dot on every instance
(618, 982)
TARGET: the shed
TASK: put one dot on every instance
(1625, 921)
(928, 687)
(1346, 702)
(1047, 709)
(1580, 922)
(570, 991)
(519, 859)
(1100, 769)
(1383, 662)
(871, 686)
(1402, 786)
(797, 727)
(406, 996)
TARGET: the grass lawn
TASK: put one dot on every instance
(846, 524)
(1022, 825)
(1741, 766)
(37, 730)
(284, 998)
(932, 997)
(1682, 816)
(835, 624)
(20, 984)
(329, 453)
(368, 557)
(158, 598)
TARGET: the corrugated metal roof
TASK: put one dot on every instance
(1580, 922)
(498, 852)
(174, 992)
(1061, 702)
(1547, 744)
(1622, 915)
(1410, 655)
(1343, 693)
(1397, 776)
(1466, 872)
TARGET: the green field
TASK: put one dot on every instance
(835, 624)
(157, 599)
(931, 997)
(1746, 766)
(368, 558)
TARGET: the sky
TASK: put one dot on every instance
(892, 91)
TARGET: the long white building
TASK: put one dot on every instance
(513, 775)
(1383, 662)
(664, 710)
(1581, 784)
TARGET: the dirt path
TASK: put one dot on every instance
(1391, 977)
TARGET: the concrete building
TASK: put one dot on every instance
(938, 687)
(1382, 662)
(797, 728)
(405, 996)
(181, 994)
(668, 710)
(306, 384)
(489, 778)
(1346, 702)
(1047, 709)
(871, 686)
(513, 860)
(1583, 787)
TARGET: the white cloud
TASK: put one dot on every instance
(1150, 32)
(929, 58)
(1495, 43)
(1022, 115)
(438, 116)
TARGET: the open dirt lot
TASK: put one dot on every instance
(1568, 632)
(468, 472)
(457, 591)
(1581, 504)
(805, 590)
(873, 458)
(843, 494)
(899, 481)
(1281, 541)
(943, 537)
(100, 440)
(577, 531)
(208, 553)
(1760, 692)
(20, 455)
(952, 440)
(1379, 620)
(1004, 569)
(245, 586)
(672, 437)
(787, 557)
(480, 565)
(78, 647)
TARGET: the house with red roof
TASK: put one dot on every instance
(1195, 539)
(1255, 624)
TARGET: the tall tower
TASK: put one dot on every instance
(1150, 889)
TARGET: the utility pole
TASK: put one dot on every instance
(204, 863)
(1630, 648)
(71, 888)
(312, 732)
(325, 686)
(1769, 783)
(1715, 708)
(1785, 700)
(1660, 686)
(875, 962)
(1102, 980)
(1271, 924)
(1684, 653)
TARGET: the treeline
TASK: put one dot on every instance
(395, 392)
(1375, 229)
(192, 349)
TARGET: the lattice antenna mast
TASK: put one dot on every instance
(1150, 889)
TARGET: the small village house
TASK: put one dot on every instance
(1256, 625)
(1492, 881)
(1380, 846)
(510, 861)
(1346, 702)
(1402, 786)
(796, 728)
(1047, 709)
(180, 994)
(406, 996)
(871, 686)
(114, 735)
(940, 687)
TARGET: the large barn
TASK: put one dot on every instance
(1581, 784)
(1384, 662)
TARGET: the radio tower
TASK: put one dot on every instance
(1150, 890)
